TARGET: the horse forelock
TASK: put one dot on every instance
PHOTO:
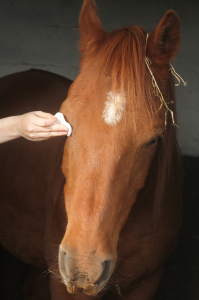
(122, 58)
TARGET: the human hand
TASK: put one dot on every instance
(38, 126)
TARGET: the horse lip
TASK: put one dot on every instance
(73, 288)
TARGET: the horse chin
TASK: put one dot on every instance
(84, 288)
(89, 292)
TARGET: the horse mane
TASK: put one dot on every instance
(121, 56)
(165, 172)
(166, 168)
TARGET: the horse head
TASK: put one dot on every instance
(118, 124)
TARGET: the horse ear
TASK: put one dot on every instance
(163, 44)
(90, 25)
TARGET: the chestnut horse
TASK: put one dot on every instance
(105, 227)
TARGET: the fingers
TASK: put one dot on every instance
(43, 119)
(38, 125)
(55, 128)
(40, 136)
(44, 115)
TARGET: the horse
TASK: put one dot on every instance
(101, 210)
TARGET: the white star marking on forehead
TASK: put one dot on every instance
(114, 108)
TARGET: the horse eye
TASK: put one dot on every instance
(152, 142)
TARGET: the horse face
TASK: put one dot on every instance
(105, 166)
(105, 162)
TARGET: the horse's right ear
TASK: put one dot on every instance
(90, 25)
(163, 44)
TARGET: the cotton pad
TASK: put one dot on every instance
(61, 120)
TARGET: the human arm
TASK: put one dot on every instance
(34, 126)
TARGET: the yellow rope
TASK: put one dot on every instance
(177, 76)
(157, 91)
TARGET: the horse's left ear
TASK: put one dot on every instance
(163, 44)
(90, 25)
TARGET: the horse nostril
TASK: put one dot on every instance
(62, 251)
(77, 275)
(107, 267)
(63, 261)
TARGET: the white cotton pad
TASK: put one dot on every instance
(61, 120)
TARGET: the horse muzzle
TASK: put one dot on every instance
(83, 273)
